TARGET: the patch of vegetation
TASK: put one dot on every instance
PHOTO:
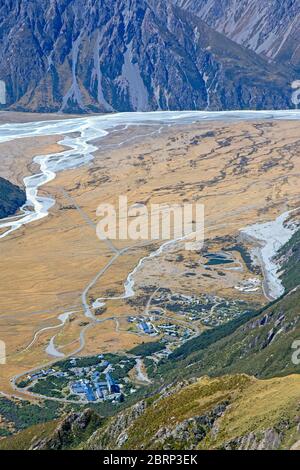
(4, 432)
(245, 256)
(23, 383)
(121, 370)
(50, 386)
(146, 349)
(291, 266)
(24, 414)
(23, 440)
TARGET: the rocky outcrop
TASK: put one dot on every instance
(189, 433)
(74, 429)
(137, 55)
(266, 440)
(269, 28)
(115, 433)
(207, 414)
(230, 413)
(11, 198)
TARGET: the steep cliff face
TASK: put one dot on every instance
(127, 55)
(66, 433)
(11, 198)
(270, 28)
(70, 432)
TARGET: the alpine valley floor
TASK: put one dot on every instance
(53, 270)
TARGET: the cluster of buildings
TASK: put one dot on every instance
(38, 375)
(153, 324)
(170, 329)
(96, 390)
(88, 371)
(42, 374)
(92, 379)
(147, 328)
(144, 325)
(208, 309)
(91, 383)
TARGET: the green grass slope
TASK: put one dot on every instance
(291, 263)
(231, 412)
(261, 347)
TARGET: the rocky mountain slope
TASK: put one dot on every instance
(66, 433)
(98, 55)
(11, 198)
(231, 412)
(270, 28)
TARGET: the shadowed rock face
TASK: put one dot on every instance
(11, 198)
(69, 432)
(127, 55)
(270, 28)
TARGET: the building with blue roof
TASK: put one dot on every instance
(112, 386)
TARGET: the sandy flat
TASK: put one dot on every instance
(16, 157)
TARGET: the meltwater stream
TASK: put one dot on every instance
(79, 136)
(37, 207)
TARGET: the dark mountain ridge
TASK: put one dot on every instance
(270, 28)
(127, 55)
(11, 198)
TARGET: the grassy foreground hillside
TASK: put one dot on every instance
(67, 433)
(230, 412)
